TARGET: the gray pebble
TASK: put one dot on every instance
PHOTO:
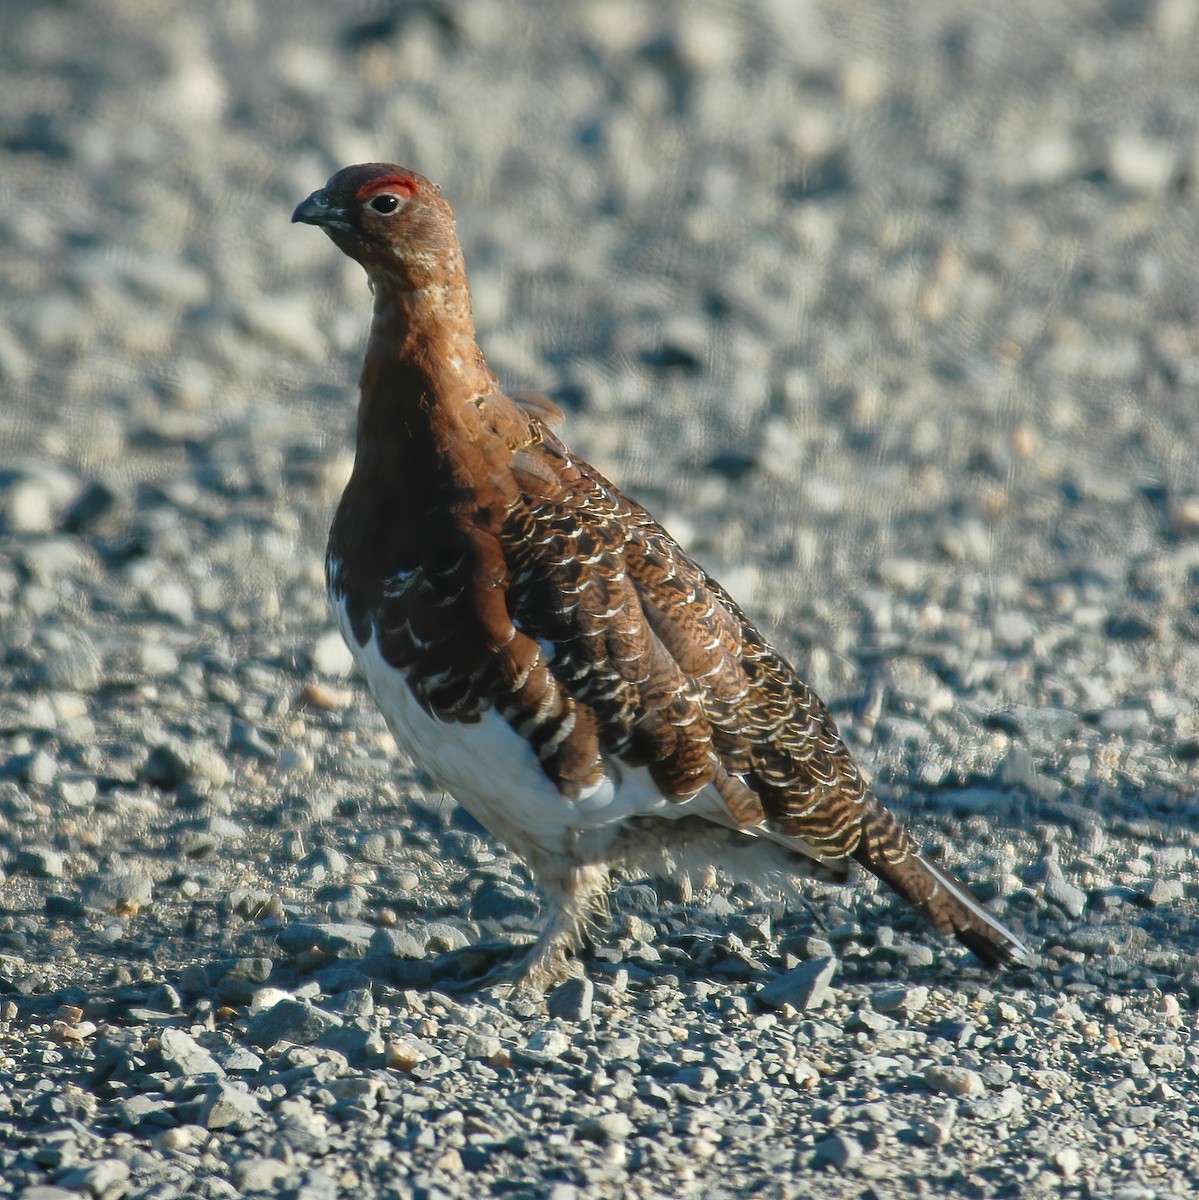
(42, 769)
(1065, 895)
(373, 847)
(393, 942)
(228, 1106)
(152, 1110)
(1165, 891)
(169, 598)
(495, 900)
(1137, 1116)
(1125, 721)
(611, 1127)
(331, 656)
(353, 1002)
(41, 861)
(33, 500)
(261, 1174)
(804, 987)
(118, 891)
(183, 1055)
(953, 1081)
(899, 999)
(997, 1106)
(571, 1001)
(92, 507)
(337, 940)
(1140, 164)
(937, 1128)
(105, 1179)
(70, 664)
(166, 767)
(840, 1151)
(238, 1060)
(700, 1079)
(1067, 1162)
(250, 742)
(289, 1021)
(440, 938)
(193, 980)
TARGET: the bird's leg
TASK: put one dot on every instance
(574, 896)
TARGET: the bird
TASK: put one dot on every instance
(548, 654)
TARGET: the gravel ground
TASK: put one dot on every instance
(889, 310)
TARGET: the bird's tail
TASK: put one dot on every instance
(945, 901)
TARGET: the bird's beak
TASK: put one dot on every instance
(317, 210)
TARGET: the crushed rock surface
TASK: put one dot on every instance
(891, 315)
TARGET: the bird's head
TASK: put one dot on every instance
(392, 221)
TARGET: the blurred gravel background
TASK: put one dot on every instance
(890, 311)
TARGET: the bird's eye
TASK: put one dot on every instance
(384, 204)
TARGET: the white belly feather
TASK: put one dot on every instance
(496, 776)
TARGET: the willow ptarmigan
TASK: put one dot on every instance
(543, 648)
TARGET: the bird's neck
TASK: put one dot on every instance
(423, 369)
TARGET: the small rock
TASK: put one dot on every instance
(261, 1174)
(937, 1130)
(803, 987)
(997, 1106)
(123, 892)
(495, 900)
(169, 598)
(699, 1079)
(899, 999)
(105, 1178)
(1013, 631)
(183, 1055)
(1068, 1162)
(70, 665)
(289, 1021)
(331, 656)
(339, 940)
(41, 861)
(390, 942)
(373, 847)
(226, 1106)
(571, 1001)
(441, 938)
(135, 1111)
(954, 1081)
(92, 506)
(403, 1054)
(166, 767)
(1072, 900)
(32, 501)
(839, 1151)
(37, 768)
(1125, 722)
(1165, 891)
(193, 980)
(286, 321)
(248, 740)
(552, 1043)
(611, 1127)
(1136, 1116)
(1141, 164)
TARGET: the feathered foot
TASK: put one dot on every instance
(541, 965)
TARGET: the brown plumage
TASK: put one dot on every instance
(544, 649)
